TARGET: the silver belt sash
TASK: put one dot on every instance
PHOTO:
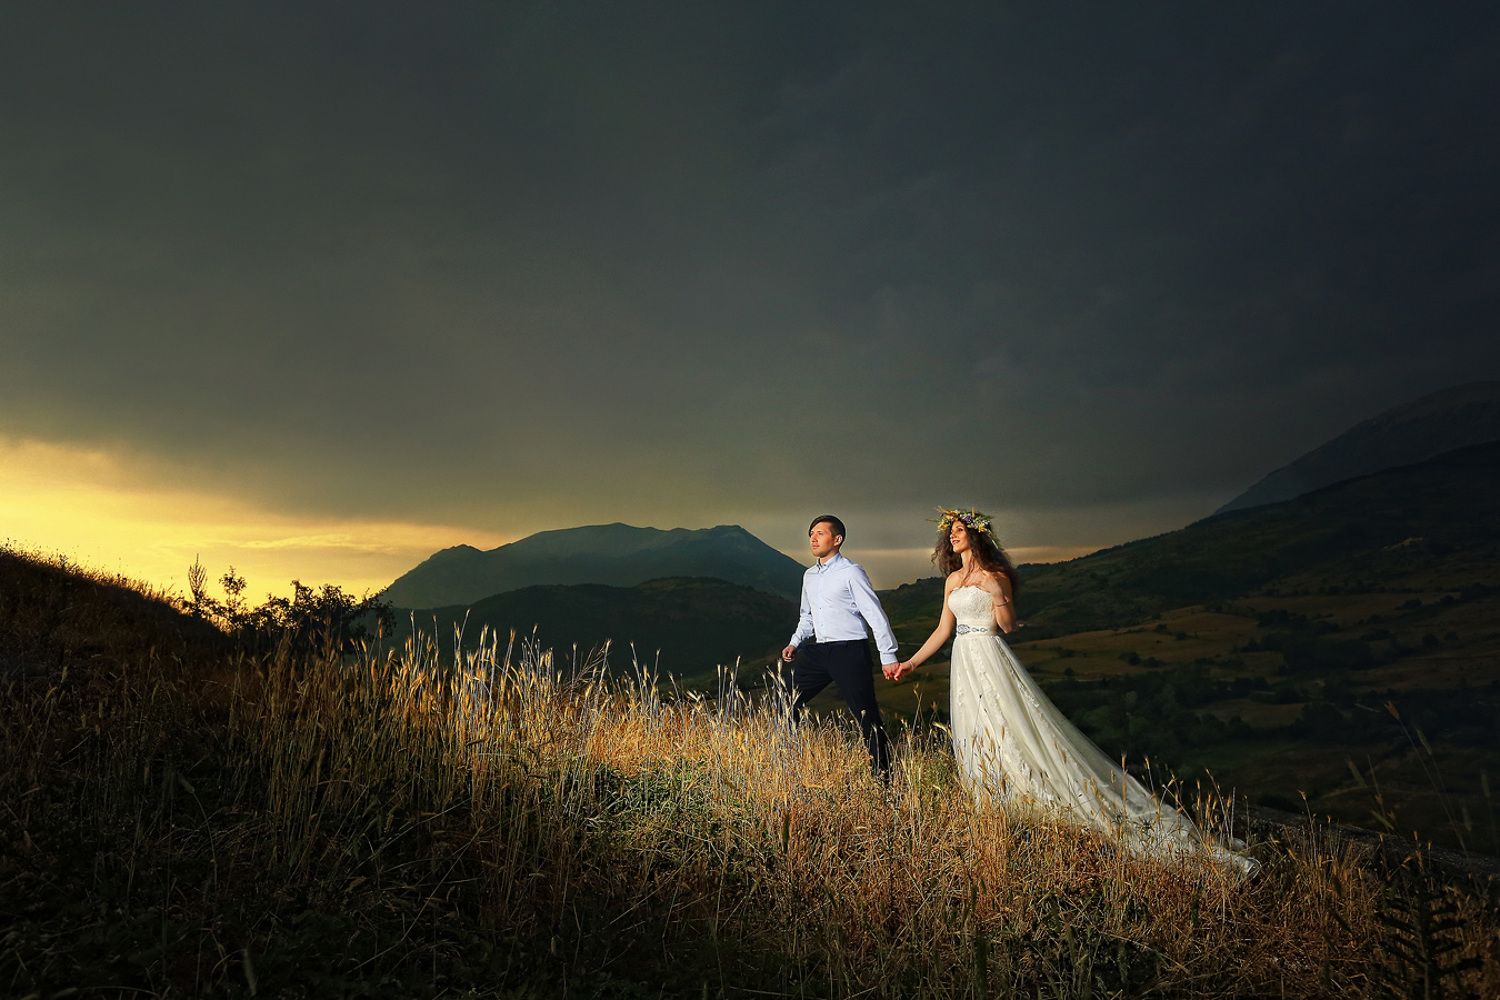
(973, 630)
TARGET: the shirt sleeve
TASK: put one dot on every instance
(804, 620)
(873, 614)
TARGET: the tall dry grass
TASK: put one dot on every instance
(404, 823)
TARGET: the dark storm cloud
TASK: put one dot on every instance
(656, 263)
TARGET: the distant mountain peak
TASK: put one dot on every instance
(615, 554)
(1415, 431)
(729, 531)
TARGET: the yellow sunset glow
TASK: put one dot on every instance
(108, 510)
(95, 508)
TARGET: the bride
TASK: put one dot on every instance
(1010, 741)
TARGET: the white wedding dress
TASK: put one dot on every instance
(1013, 744)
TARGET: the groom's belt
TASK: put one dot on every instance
(837, 642)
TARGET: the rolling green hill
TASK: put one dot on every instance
(687, 626)
(1434, 524)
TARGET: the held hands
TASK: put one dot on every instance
(898, 671)
(788, 653)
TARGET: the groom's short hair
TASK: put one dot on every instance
(831, 521)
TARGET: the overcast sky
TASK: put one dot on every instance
(491, 269)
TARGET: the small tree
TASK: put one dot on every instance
(200, 605)
(234, 600)
(326, 618)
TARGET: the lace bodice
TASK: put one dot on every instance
(974, 607)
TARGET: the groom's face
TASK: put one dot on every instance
(823, 541)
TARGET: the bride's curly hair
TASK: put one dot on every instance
(987, 552)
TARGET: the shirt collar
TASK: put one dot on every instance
(823, 567)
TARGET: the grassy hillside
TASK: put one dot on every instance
(1263, 645)
(54, 614)
(1435, 524)
(226, 823)
(1287, 647)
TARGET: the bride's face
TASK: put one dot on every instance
(958, 537)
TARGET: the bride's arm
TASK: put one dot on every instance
(1005, 607)
(940, 635)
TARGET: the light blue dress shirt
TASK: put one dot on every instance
(838, 602)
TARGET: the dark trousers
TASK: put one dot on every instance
(847, 664)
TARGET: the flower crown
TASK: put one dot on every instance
(971, 519)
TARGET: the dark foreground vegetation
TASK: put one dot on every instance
(181, 816)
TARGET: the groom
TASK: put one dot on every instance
(829, 644)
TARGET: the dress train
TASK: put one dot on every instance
(1012, 743)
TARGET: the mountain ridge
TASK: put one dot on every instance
(1430, 425)
(1348, 527)
(613, 554)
